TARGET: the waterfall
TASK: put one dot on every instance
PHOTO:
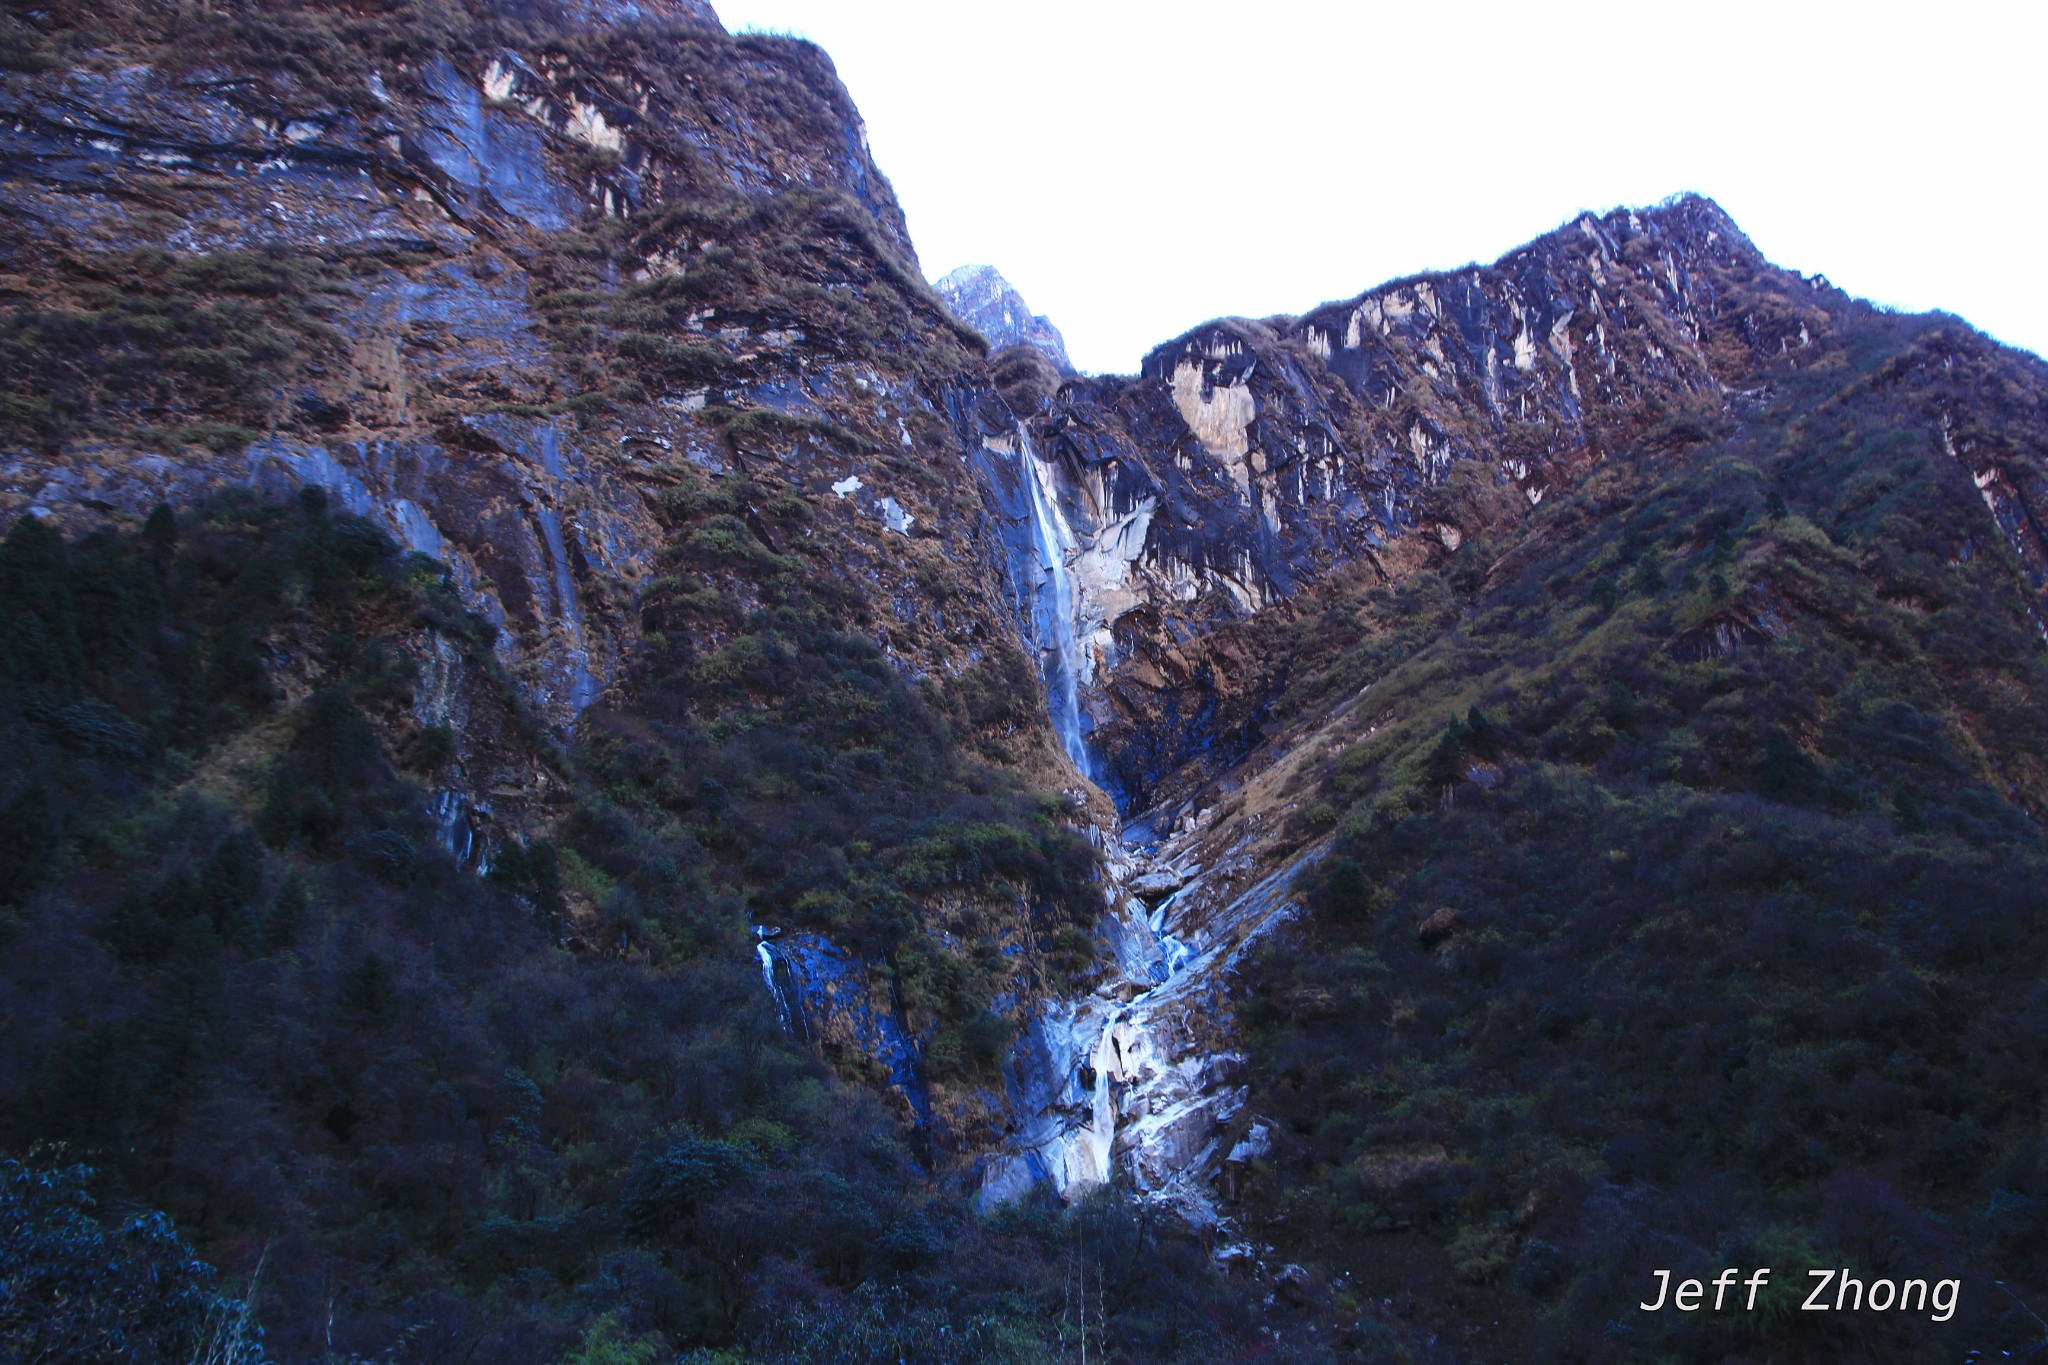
(456, 829)
(1053, 609)
(788, 1011)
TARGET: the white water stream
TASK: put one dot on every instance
(1135, 1081)
(1054, 609)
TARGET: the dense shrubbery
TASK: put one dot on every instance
(789, 768)
(272, 1007)
(183, 348)
(76, 1286)
(1687, 907)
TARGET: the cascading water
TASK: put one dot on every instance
(1135, 1081)
(459, 824)
(1053, 607)
(1130, 1080)
(788, 1008)
(767, 956)
(452, 823)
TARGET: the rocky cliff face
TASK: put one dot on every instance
(979, 296)
(493, 292)
(1256, 471)
(1248, 460)
(613, 314)
(515, 285)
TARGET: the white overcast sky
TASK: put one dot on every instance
(1136, 168)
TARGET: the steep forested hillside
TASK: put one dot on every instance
(1686, 903)
(418, 1109)
(441, 618)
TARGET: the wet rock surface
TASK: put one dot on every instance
(1141, 1081)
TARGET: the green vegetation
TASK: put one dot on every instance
(1687, 901)
(771, 748)
(75, 1286)
(1685, 905)
(184, 349)
(548, 1113)
(380, 1094)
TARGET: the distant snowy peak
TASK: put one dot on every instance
(980, 297)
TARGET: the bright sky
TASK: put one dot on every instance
(1136, 167)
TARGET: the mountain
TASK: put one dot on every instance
(979, 296)
(595, 770)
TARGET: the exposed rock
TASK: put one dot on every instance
(480, 163)
(1255, 1145)
(1157, 883)
(1236, 1256)
(1294, 1285)
(825, 995)
(1144, 1082)
(1438, 926)
(1131, 532)
(1249, 460)
(980, 297)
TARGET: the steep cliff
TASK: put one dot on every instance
(485, 503)
(496, 284)
(1248, 460)
(1477, 653)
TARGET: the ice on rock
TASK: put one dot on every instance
(1255, 1145)
(1106, 1090)
(894, 517)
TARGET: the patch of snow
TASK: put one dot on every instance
(894, 517)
